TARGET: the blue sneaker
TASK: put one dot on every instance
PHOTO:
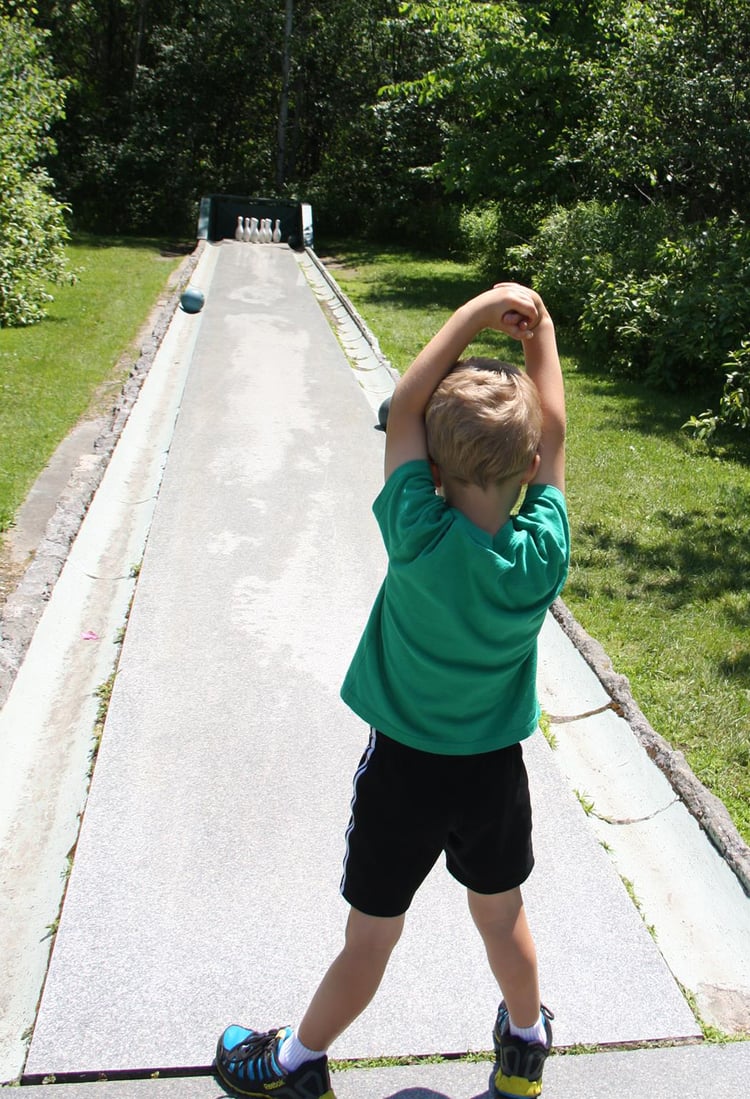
(518, 1064)
(247, 1062)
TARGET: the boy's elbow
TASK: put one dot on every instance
(554, 430)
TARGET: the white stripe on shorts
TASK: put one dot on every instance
(357, 775)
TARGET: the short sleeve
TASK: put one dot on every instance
(543, 532)
(411, 516)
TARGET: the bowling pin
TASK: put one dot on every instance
(254, 236)
(277, 231)
(246, 231)
(239, 232)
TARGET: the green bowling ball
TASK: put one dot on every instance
(192, 301)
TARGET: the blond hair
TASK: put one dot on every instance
(484, 422)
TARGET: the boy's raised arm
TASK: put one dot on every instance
(543, 367)
(508, 308)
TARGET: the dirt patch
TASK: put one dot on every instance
(333, 263)
(11, 572)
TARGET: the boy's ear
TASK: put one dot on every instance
(533, 469)
(436, 474)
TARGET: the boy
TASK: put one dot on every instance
(445, 676)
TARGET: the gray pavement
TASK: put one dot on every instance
(204, 888)
(691, 1072)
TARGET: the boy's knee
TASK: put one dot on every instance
(376, 934)
(495, 914)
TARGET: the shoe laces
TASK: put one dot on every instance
(255, 1056)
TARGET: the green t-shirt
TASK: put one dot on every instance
(447, 660)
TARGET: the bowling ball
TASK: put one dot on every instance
(383, 413)
(192, 301)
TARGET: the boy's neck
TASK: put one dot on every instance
(487, 508)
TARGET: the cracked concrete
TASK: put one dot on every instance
(688, 892)
(79, 585)
(709, 812)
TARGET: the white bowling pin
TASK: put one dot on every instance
(246, 230)
(277, 231)
(239, 232)
(254, 236)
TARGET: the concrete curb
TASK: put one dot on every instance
(20, 614)
(351, 309)
(710, 813)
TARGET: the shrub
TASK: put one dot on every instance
(575, 248)
(32, 225)
(674, 325)
(481, 237)
(650, 297)
(734, 407)
(493, 236)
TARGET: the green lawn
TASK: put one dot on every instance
(50, 372)
(660, 572)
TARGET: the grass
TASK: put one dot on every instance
(661, 543)
(51, 372)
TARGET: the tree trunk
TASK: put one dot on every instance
(284, 102)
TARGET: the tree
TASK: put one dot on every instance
(32, 222)
(284, 101)
(669, 107)
(505, 97)
(203, 115)
(173, 99)
(365, 158)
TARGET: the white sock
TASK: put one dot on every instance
(292, 1053)
(536, 1033)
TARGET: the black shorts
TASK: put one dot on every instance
(409, 805)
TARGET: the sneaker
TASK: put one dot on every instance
(247, 1062)
(518, 1064)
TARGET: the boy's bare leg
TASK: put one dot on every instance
(501, 921)
(352, 979)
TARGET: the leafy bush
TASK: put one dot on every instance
(493, 236)
(576, 247)
(649, 296)
(674, 325)
(31, 250)
(734, 407)
(32, 225)
(481, 236)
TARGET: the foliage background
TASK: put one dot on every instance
(32, 226)
(596, 148)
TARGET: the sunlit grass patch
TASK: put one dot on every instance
(49, 372)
